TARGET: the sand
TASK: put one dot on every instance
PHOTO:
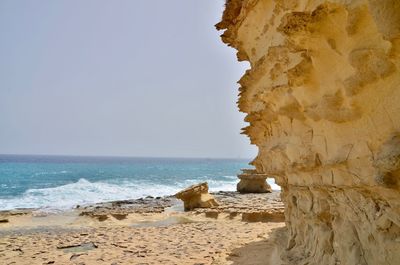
(163, 236)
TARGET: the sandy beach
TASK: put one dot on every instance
(146, 231)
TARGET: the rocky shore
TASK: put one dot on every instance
(142, 231)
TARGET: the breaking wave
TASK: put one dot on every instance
(85, 192)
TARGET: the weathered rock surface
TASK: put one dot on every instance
(250, 207)
(322, 99)
(196, 196)
(121, 209)
(253, 182)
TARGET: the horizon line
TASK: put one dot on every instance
(133, 156)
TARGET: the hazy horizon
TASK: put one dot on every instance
(118, 79)
(128, 156)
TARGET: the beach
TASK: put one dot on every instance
(150, 230)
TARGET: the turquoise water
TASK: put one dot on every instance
(58, 183)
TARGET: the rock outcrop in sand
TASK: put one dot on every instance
(196, 196)
(252, 182)
(322, 98)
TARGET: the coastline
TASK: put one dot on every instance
(142, 231)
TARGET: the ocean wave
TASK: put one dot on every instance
(230, 177)
(85, 192)
(50, 173)
(81, 192)
(226, 183)
(214, 184)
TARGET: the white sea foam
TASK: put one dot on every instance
(49, 173)
(228, 183)
(82, 192)
(273, 185)
(85, 192)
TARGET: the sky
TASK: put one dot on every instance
(118, 78)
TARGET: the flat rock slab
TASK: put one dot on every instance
(230, 203)
(120, 209)
(247, 176)
(251, 207)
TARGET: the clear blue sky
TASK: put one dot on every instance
(129, 78)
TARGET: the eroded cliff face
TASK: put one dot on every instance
(322, 98)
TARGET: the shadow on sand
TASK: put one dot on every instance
(264, 252)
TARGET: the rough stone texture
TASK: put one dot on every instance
(322, 97)
(121, 209)
(196, 196)
(252, 182)
(250, 207)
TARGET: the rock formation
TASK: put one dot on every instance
(252, 182)
(250, 207)
(196, 196)
(120, 210)
(322, 97)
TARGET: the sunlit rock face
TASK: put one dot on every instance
(322, 98)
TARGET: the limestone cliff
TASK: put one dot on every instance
(322, 98)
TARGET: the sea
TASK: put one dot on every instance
(59, 183)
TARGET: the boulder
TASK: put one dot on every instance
(252, 182)
(196, 196)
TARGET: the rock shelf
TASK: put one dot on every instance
(253, 182)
